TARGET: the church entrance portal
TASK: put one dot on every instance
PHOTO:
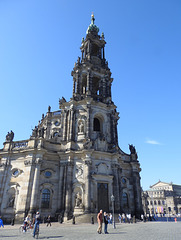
(103, 203)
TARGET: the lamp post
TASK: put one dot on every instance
(112, 200)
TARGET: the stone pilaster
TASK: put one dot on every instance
(88, 83)
(116, 193)
(71, 124)
(88, 121)
(68, 198)
(87, 197)
(35, 187)
(64, 125)
(74, 81)
(137, 193)
(60, 187)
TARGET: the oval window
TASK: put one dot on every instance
(15, 173)
(123, 180)
(57, 123)
(48, 174)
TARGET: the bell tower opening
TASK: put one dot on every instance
(84, 84)
(95, 50)
(97, 125)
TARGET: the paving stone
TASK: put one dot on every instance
(138, 231)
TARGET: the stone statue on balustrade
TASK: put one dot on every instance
(35, 132)
(10, 136)
(63, 100)
(132, 149)
(41, 132)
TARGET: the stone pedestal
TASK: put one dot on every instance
(78, 211)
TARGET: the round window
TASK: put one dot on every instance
(123, 180)
(48, 174)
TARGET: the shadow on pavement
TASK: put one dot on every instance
(50, 237)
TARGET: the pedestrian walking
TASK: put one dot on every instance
(49, 221)
(99, 220)
(37, 222)
(105, 223)
(1, 222)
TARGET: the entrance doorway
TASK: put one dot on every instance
(103, 203)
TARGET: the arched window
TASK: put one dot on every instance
(97, 126)
(155, 203)
(151, 202)
(45, 201)
(159, 202)
(125, 200)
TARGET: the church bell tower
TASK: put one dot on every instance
(72, 162)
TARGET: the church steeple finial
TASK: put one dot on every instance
(92, 27)
(92, 18)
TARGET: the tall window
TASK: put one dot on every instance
(97, 126)
(45, 201)
(125, 200)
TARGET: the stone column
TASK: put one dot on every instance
(78, 84)
(88, 83)
(88, 121)
(6, 169)
(137, 193)
(65, 125)
(35, 186)
(103, 87)
(68, 199)
(60, 188)
(87, 197)
(116, 193)
(74, 85)
(71, 124)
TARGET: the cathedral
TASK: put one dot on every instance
(72, 164)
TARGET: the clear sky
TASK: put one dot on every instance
(40, 41)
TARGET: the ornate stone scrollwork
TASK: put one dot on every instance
(87, 143)
(79, 171)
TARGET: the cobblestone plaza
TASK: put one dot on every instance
(138, 231)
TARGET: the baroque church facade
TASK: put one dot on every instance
(72, 164)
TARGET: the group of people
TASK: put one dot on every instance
(29, 223)
(123, 218)
(106, 218)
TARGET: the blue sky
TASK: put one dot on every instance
(40, 41)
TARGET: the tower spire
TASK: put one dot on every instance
(92, 18)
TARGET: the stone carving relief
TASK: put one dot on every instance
(87, 143)
(79, 172)
(102, 168)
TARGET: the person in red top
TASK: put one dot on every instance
(99, 220)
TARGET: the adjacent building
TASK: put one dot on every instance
(72, 163)
(162, 198)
